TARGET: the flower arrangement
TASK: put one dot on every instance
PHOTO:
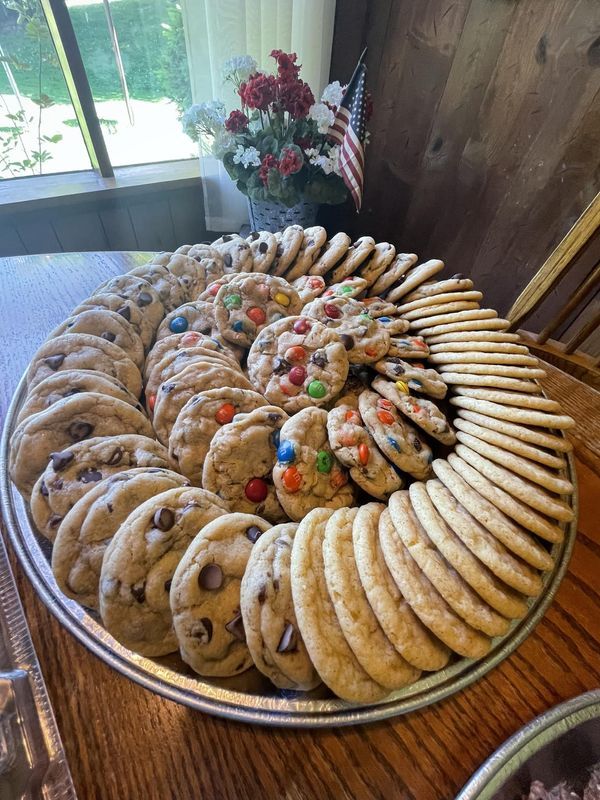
(275, 147)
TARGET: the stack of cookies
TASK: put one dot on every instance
(242, 451)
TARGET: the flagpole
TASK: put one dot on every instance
(360, 61)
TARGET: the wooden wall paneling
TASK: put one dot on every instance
(11, 243)
(187, 213)
(37, 233)
(422, 40)
(153, 225)
(118, 226)
(548, 122)
(349, 38)
(79, 230)
(453, 158)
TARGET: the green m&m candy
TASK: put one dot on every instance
(232, 301)
(316, 389)
(324, 461)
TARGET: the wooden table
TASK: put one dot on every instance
(125, 743)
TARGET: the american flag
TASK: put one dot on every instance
(348, 130)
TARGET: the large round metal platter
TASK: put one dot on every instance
(561, 744)
(250, 697)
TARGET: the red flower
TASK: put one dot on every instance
(258, 91)
(236, 122)
(286, 63)
(295, 97)
(291, 161)
(268, 162)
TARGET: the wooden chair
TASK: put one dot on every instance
(581, 242)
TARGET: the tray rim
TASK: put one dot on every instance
(233, 704)
(528, 740)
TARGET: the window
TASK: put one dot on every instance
(39, 132)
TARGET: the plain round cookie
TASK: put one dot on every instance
(71, 420)
(248, 303)
(130, 312)
(198, 421)
(83, 351)
(88, 528)
(139, 291)
(395, 437)
(306, 474)
(361, 629)
(437, 300)
(71, 473)
(393, 273)
(422, 596)
(70, 382)
(272, 632)
(356, 449)
(139, 564)
(205, 595)
(327, 647)
(107, 325)
(298, 362)
(457, 283)
(355, 255)
(399, 622)
(174, 394)
(516, 432)
(331, 253)
(240, 461)
(413, 278)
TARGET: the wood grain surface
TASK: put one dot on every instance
(485, 132)
(124, 743)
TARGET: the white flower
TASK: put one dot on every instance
(334, 157)
(322, 115)
(312, 152)
(325, 163)
(333, 94)
(223, 143)
(239, 68)
(207, 118)
(246, 156)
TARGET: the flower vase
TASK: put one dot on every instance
(267, 216)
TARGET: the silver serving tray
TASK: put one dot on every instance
(561, 744)
(250, 697)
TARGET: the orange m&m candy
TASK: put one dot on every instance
(190, 338)
(257, 315)
(151, 402)
(363, 453)
(352, 416)
(385, 417)
(225, 414)
(292, 479)
(296, 353)
(371, 351)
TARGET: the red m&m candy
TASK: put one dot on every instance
(292, 479)
(214, 288)
(363, 453)
(190, 338)
(297, 375)
(352, 416)
(256, 490)
(301, 325)
(257, 315)
(333, 312)
(385, 417)
(151, 402)
(225, 414)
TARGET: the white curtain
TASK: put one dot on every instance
(215, 31)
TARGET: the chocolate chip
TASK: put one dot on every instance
(44, 489)
(139, 592)
(61, 460)
(168, 585)
(273, 417)
(254, 235)
(54, 521)
(58, 485)
(167, 387)
(236, 628)
(253, 532)
(79, 430)
(163, 519)
(309, 243)
(263, 247)
(458, 277)
(125, 312)
(262, 594)
(279, 250)
(280, 365)
(110, 508)
(54, 362)
(210, 577)
(203, 630)
(417, 445)
(110, 337)
(276, 584)
(89, 476)
(319, 358)
(115, 457)
(289, 641)
(347, 341)
(144, 299)
(227, 259)
(227, 238)
(398, 369)
(153, 469)
(71, 392)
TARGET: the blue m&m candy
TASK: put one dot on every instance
(394, 444)
(275, 438)
(285, 452)
(238, 326)
(178, 325)
(385, 320)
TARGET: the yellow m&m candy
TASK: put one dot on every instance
(282, 299)
(402, 387)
